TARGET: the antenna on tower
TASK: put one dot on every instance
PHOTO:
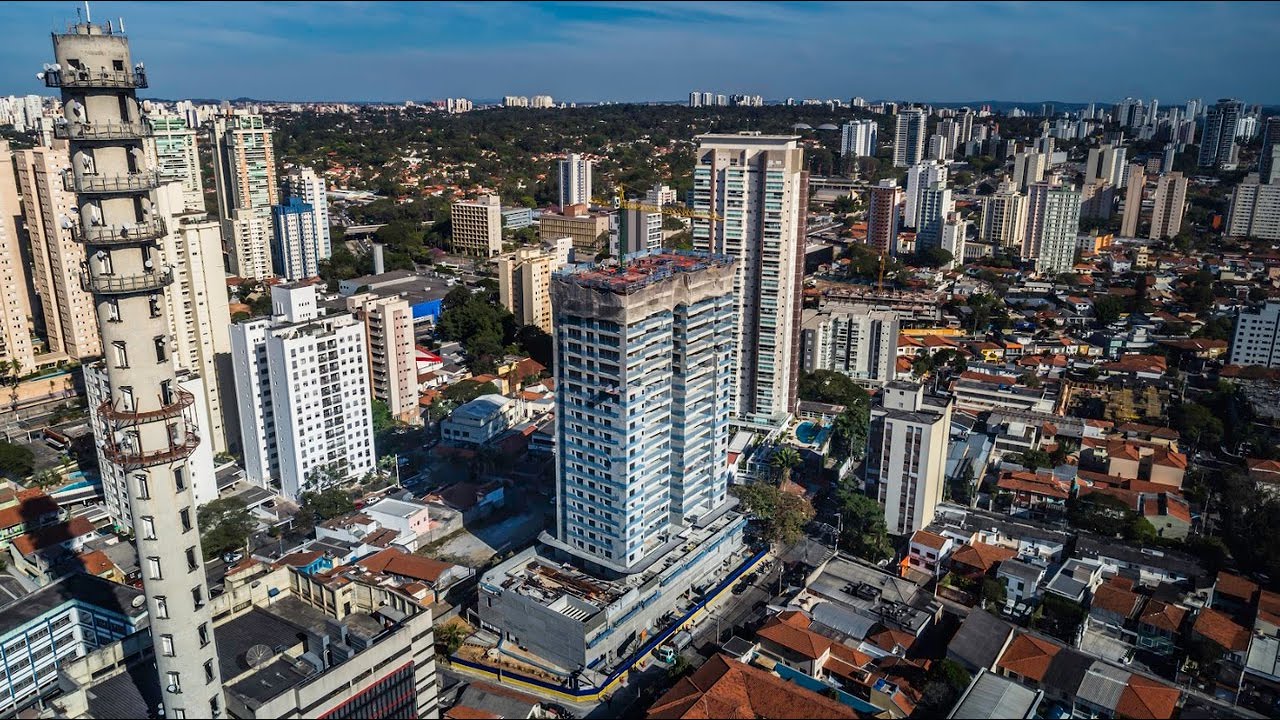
(87, 17)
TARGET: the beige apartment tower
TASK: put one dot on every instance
(393, 370)
(245, 173)
(16, 351)
(1133, 201)
(147, 427)
(758, 189)
(477, 226)
(1170, 206)
(71, 325)
(1004, 219)
(524, 285)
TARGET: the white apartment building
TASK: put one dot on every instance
(907, 456)
(297, 245)
(575, 180)
(302, 385)
(955, 233)
(71, 323)
(858, 138)
(393, 374)
(908, 137)
(1029, 168)
(304, 184)
(862, 344)
(1254, 340)
(174, 152)
(477, 226)
(524, 284)
(1105, 163)
(757, 186)
(920, 177)
(644, 373)
(935, 205)
(638, 231)
(245, 175)
(1255, 210)
(1059, 222)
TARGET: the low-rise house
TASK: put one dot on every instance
(424, 578)
(481, 420)
(1263, 662)
(928, 552)
(725, 688)
(978, 559)
(22, 511)
(1021, 580)
(786, 638)
(992, 696)
(474, 501)
(410, 520)
(50, 552)
(1113, 607)
(1233, 594)
(1034, 492)
(1159, 625)
(980, 641)
(1218, 628)
(1076, 579)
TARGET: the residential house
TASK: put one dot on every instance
(22, 511)
(980, 641)
(1076, 579)
(50, 552)
(1159, 625)
(928, 551)
(1021, 580)
(725, 688)
(978, 559)
(1233, 594)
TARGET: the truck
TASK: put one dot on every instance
(681, 640)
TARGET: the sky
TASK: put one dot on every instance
(636, 51)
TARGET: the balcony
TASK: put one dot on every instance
(126, 284)
(133, 460)
(112, 184)
(134, 234)
(85, 78)
(102, 131)
(181, 401)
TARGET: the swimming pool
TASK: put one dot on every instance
(811, 433)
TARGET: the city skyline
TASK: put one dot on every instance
(392, 52)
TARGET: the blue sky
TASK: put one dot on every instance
(588, 51)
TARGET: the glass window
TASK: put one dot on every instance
(148, 528)
(162, 606)
(166, 645)
(153, 568)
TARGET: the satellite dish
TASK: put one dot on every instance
(39, 76)
(258, 655)
(173, 688)
(66, 222)
(139, 601)
(100, 254)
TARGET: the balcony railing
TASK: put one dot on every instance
(102, 131)
(133, 234)
(72, 78)
(181, 401)
(107, 184)
(129, 459)
(126, 284)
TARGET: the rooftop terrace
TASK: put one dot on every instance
(639, 271)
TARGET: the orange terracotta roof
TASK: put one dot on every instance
(791, 631)
(1162, 616)
(1144, 698)
(1019, 483)
(398, 562)
(1220, 628)
(928, 539)
(96, 562)
(982, 556)
(1269, 607)
(887, 639)
(462, 712)
(53, 535)
(1235, 587)
(725, 688)
(1115, 598)
(1028, 657)
(31, 506)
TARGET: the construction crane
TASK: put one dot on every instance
(620, 201)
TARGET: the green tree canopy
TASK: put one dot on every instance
(225, 525)
(782, 515)
(864, 531)
(327, 503)
(16, 461)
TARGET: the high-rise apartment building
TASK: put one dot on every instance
(883, 203)
(245, 174)
(173, 148)
(1004, 219)
(1255, 210)
(862, 344)
(146, 426)
(935, 205)
(639, 230)
(858, 138)
(644, 371)
(1133, 194)
(758, 189)
(575, 180)
(1105, 163)
(393, 369)
(302, 386)
(1255, 339)
(908, 137)
(1097, 199)
(907, 455)
(1170, 206)
(304, 184)
(955, 234)
(1029, 168)
(15, 304)
(1055, 210)
(477, 226)
(1218, 142)
(70, 320)
(920, 177)
(1269, 158)
(524, 285)
(296, 248)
